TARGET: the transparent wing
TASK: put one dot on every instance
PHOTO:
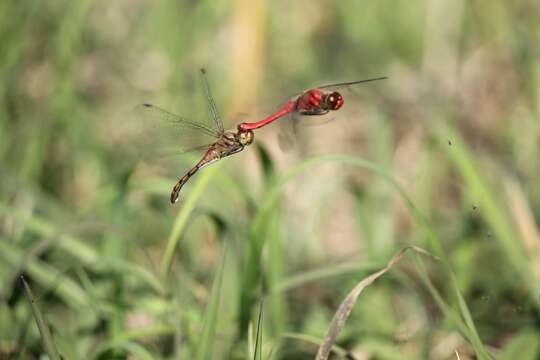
(349, 83)
(336, 86)
(324, 117)
(154, 132)
(212, 108)
(287, 133)
(293, 126)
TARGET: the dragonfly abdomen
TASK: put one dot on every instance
(211, 156)
(184, 179)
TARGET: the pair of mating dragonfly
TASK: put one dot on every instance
(312, 102)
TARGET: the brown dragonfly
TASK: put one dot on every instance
(184, 131)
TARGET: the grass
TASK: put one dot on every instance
(45, 333)
(442, 155)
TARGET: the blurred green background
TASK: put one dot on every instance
(119, 273)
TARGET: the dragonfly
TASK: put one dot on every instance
(315, 101)
(224, 142)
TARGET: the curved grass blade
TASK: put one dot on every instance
(467, 327)
(252, 273)
(297, 280)
(507, 238)
(73, 246)
(188, 205)
(46, 275)
(344, 310)
(207, 340)
(131, 337)
(44, 331)
(251, 279)
(68, 243)
(138, 350)
(272, 196)
(129, 347)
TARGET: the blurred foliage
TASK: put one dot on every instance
(442, 155)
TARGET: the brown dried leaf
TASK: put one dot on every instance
(344, 310)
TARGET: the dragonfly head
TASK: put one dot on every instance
(334, 101)
(245, 137)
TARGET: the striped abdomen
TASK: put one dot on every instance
(176, 189)
(220, 149)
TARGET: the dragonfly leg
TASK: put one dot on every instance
(234, 151)
(314, 112)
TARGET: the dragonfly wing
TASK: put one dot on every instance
(288, 132)
(155, 132)
(336, 86)
(212, 107)
(296, 125)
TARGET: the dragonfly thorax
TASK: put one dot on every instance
(318, 102)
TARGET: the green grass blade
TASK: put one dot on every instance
(187, 206)
(207, 340)
(138, 350)
(297, 280)
(129, 347)
(469, 332)
(44, 331)
(269, 202)
(258, 337)
(250, 345)
(276, 308)
(524, 346)
(258, 231)
(492, 209)
(46, 275)
(466, 314)
(131, 337)
(70, 244)
(273, 193)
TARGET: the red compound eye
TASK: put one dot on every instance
(335, 101)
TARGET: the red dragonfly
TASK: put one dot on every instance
(224, 142)
(315, 101)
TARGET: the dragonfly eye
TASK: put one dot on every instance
(245, 137)
(335, 101)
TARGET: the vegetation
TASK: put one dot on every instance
(264, 246)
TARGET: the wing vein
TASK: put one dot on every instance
(212, 107)
(181, 121)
